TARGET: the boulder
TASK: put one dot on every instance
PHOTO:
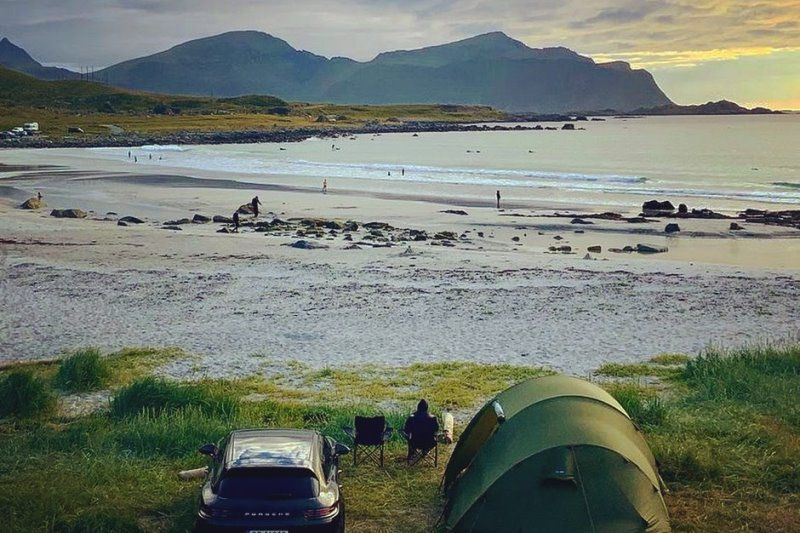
(595, 249)
(454, 212)
(177, 222)
(131, 220)
(563, 249)
(580, 221)
(224, 230)
(651, 249)
(736, 227)
(655, 205)
(307, 245)
(173, 228)
(682, 209)
(245, 209)
(68, 213)
(515, 238)
(33, 203)
(378, 225)
(121, 223)
(200, 219)
(672, 228)
(445, 235)
(568, 127)
(480, 234)
(350, 225)
(219, 219)
(332, 224)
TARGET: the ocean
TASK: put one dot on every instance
(721, 162)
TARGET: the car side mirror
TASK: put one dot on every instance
(209, 450)
(341, 449)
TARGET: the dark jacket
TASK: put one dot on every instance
(421, 429)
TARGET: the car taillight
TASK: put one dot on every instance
(324, 512)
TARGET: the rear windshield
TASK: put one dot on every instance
(268, 484)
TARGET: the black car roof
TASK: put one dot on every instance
(269, 448)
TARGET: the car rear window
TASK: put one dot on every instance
(268, 484)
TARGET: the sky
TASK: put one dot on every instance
(698, 50)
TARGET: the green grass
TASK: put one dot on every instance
(643, 405)
(83, 371)
(153, 395)
(25, 395)
(720, 425)
(670, 359)
(764, 376)
(629, 370)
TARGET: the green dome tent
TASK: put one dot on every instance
(553, 454)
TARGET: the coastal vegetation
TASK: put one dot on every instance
(724, 426)
(99, 109)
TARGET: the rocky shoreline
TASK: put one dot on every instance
(261, 136)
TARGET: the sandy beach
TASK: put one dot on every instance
(494, 293)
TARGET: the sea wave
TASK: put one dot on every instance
(163, 148)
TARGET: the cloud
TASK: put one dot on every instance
(656, 34)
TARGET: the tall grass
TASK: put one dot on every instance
(765, 376)
(644, 406)
(83, 371)
(158, 395)
(25, 395)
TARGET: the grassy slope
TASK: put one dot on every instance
(58, 105)
(725, 429)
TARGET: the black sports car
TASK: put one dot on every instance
(272, 481)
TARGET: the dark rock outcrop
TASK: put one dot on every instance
(68, 213)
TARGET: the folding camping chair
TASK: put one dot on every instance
(421, 445)
(370, 435)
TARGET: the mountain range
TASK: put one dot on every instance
(491, 69)
(14, 57)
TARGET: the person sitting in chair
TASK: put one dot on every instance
(421, 429)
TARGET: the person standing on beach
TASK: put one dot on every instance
(402, 171)
(129, 154)
(236, 221)
(39, 195)
(498, 199)
(135, 159)
(325, 186)
(254, 203)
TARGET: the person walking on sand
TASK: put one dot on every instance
(150, 157)
(236, 221)
(325, 186)
(498, 199)
(135, 159)
(254, 203)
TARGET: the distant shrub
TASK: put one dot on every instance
(279, 110)
(157, 395)
(25, 395)
(83, 371)
(646, 409)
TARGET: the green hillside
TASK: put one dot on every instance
(17, 89)
(94, 108)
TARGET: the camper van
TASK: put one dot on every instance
(31, 127)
